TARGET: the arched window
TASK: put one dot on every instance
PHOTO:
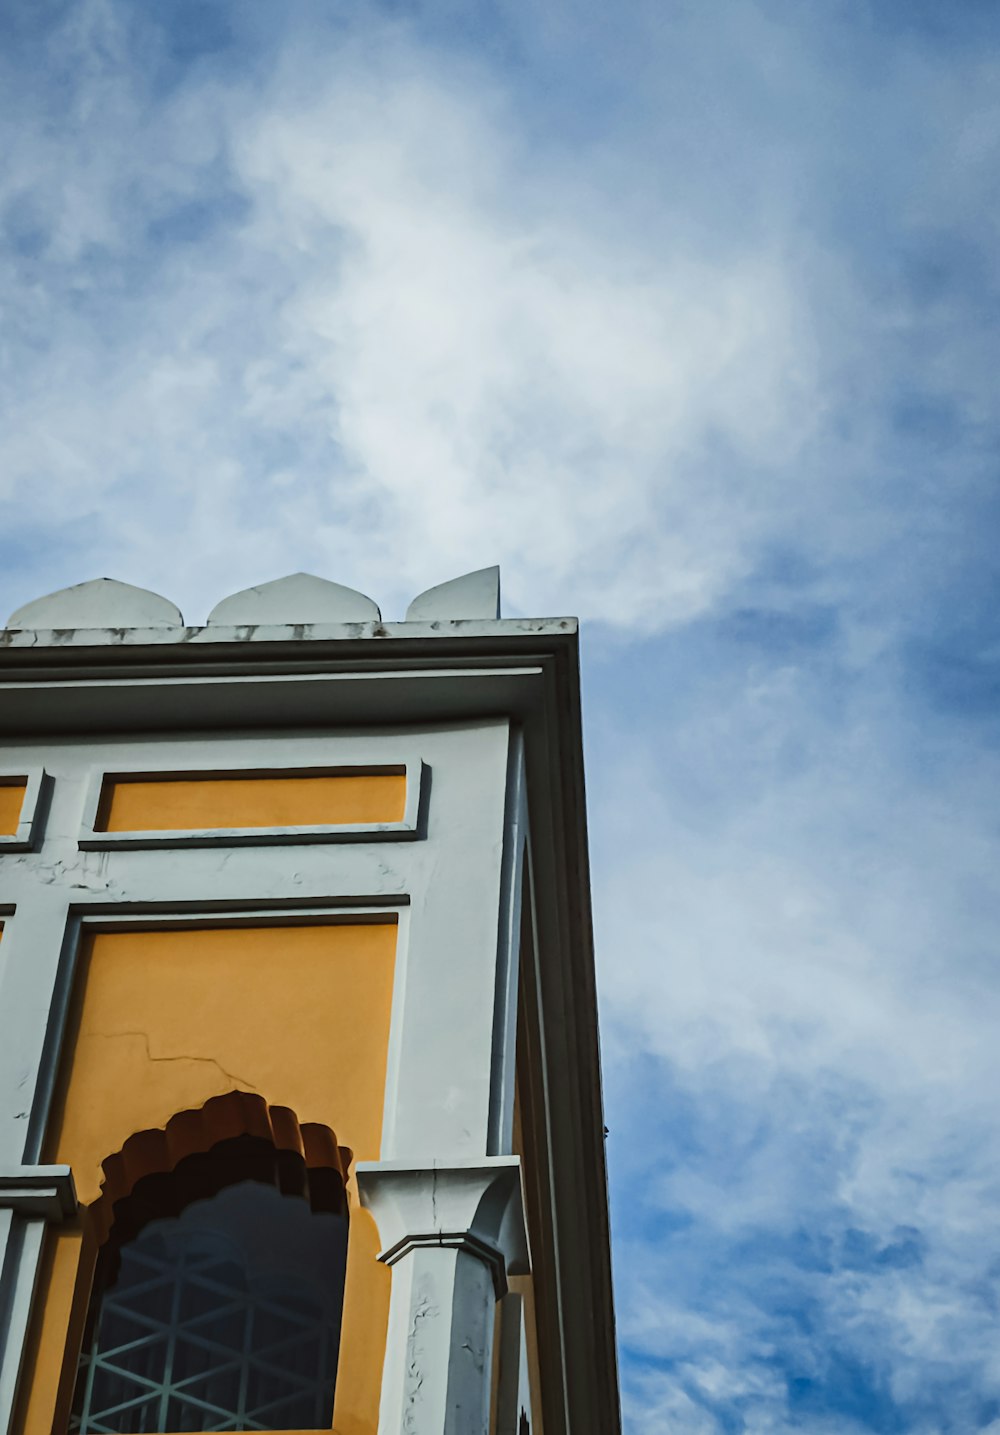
(218, 1290)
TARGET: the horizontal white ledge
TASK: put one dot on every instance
(46, 1191)
(283, 632)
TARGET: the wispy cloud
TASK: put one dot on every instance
(358, 297)
(798, 962)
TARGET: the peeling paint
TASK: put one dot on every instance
(424, 1309)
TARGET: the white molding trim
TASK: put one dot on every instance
(502, 1070)
(46, 1191)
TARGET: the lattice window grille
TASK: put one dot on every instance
(251, 1345)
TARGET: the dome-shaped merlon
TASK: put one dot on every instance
(474, 595)
(99, 603)
(299, 598)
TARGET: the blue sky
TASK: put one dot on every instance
(687, 315)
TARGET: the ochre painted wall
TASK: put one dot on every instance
(165, 1019)
(11, 801)
(204, 803)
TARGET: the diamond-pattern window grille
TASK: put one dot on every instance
(205, 1329)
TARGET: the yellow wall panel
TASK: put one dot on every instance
(11, 802)
(163, 1021)
(206, 803)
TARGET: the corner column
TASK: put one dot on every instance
(452, 1232)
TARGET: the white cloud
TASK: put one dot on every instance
(799, 937)
(419, 314)
(438, 335)
(501, 378)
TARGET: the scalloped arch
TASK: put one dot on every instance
(161, 1150)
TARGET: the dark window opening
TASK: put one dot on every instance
(217, 1299)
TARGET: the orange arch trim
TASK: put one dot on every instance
(190, 1133)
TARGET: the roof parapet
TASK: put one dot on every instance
(105, 611)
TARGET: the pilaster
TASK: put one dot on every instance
(452, 1233)
(29, 1197)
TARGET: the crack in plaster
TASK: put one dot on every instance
(478, 1356)
(229, 1075)
(424, 1309)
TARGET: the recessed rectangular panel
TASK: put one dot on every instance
(12, 790)
(165, 1019)
(175, 804)
(19, 808)
(147, 809)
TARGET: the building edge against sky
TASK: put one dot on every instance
(300, 898)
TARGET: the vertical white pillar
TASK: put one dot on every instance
(30, 1196)
(451, 1233)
